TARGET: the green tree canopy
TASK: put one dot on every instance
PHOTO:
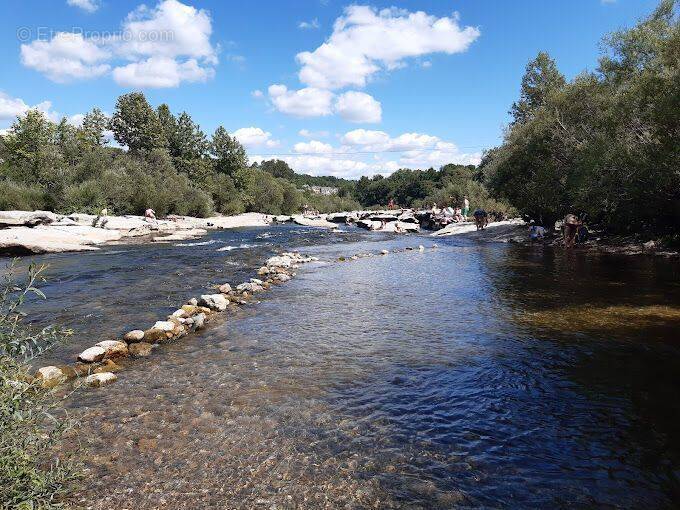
(136, 125)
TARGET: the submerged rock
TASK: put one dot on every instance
(214, 302)
(107, 366)
(154, 335)
(136, 335)
(92, 355)
(140, 349)
(102, 379)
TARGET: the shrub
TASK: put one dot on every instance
(22, 197)
(31, 475)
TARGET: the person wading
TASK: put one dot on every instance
(481, 218)
(570, 229)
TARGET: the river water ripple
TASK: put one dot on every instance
(473, 375)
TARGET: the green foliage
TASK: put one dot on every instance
(95, 123)
(136, 125)
(229, 154)
(21, 197)
(33, 421)
(330, 203)
(604, 144)
(541, 79)
(172, 168)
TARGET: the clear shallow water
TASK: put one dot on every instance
(473, 375)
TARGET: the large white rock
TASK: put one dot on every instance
(164, 325)
(93, 354)
(249, 287)
(101, 379)
(182, 235)
(54, 239)
(283, 261)
(199, 321)
(313, 222)
(113, 348)
(50, 376)
(214, 301)
(26, 218)
(136, 335)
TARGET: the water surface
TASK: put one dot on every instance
(473, 375)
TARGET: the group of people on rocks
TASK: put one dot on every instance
(448, 214)
(461, 212)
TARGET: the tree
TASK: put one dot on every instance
(540, 79)
(278, 168)
(229, 154)
(189, 141)
(136, 125)
(92, 130)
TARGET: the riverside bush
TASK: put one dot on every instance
(32, 419)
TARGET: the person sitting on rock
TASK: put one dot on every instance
(150, 214)
(481, 218)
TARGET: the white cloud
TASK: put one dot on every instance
(358, 107)
(161, 72)
(257, 94)
(313, 134)
(255, 137)
(371, 152)
(307, 102)
(66, 57)
(86, 5)
(313, 147)
(11, 107)
(324, 165)
(76, 119)
(312, 24)
(365, 40)
(157, 47)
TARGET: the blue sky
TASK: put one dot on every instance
(332, 87)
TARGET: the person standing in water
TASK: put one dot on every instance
(481, 218)
(570, 229)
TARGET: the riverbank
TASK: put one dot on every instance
(24, 232)
(37, 232)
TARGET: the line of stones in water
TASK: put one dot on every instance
(96, 365)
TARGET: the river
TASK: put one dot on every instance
(469, 375)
